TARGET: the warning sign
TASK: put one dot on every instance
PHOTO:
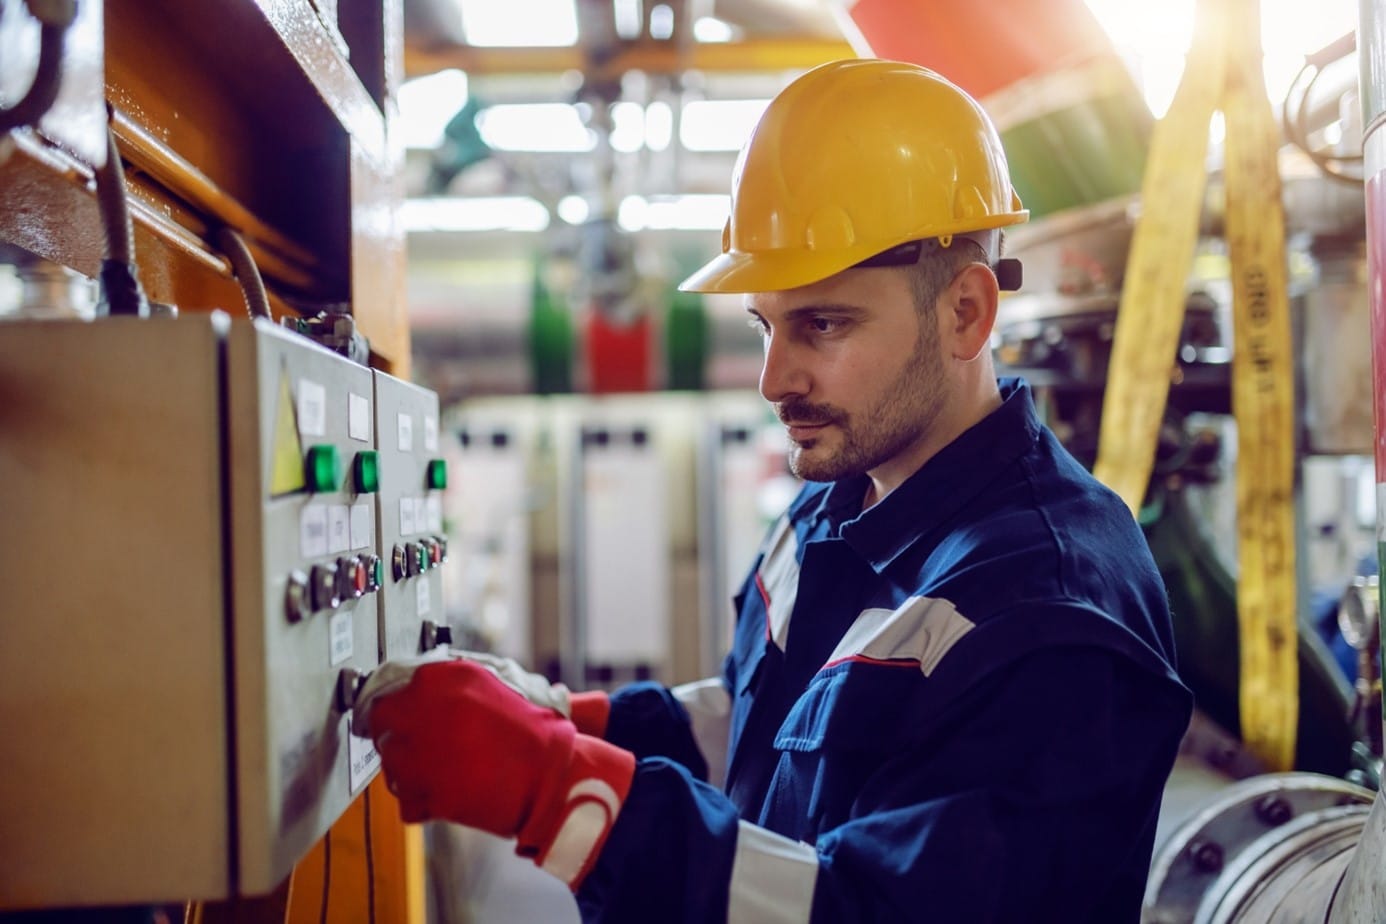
(286, 470)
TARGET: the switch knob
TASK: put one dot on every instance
(323, 584)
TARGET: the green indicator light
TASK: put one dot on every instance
(323, 471)
(367, 471)
(437, 474)
(378, 567)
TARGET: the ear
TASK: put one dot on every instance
(973, 297)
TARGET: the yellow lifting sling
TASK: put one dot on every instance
(1223, 72)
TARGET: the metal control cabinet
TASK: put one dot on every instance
(189, 560)
(411, 537)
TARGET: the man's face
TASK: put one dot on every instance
(854, 371)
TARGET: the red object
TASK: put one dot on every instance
(1376, 275)
(457, 743)
(618, 353)
(982, 47)
(590, 712)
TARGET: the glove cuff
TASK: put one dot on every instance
(566, 840)
(590, 712)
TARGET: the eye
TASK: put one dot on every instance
(821, 324)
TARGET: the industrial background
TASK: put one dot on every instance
(522, 438)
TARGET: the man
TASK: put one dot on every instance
(951, 695)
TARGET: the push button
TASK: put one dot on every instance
(296, 598)
(322, 469)
(323, 584)
(437, 474)
(365, 470)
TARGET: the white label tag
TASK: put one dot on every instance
(420, 514)
(421, 597)
(406, 516)
(312, 531)
(358, 417)
(405, 428)
(312, 408)
(435, 513)
(341, 637)
(362, 535)
(338, 528)
(430, 434)
(362, 758)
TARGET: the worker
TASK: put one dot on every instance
(951, 694)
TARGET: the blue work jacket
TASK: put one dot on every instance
(958, 705)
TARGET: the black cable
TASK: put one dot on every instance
(121, 293)
(326, 874)
(370, 860)
(55, 16)
(229, 242)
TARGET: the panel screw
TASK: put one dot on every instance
(1273, 810)
(1206, 855)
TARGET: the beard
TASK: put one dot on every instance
(899, 417)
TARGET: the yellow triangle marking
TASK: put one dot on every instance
(286, 474)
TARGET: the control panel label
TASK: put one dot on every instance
(362, 532)
(405, 430)
(421, 597)
(358, 417)
(406, 516)
(420, 514)
(312, 408)
(430, 434)
(342, 637)
(435, 513)
(362, 758)
(312, 531)
(338, 528)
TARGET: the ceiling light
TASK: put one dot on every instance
(710, 29)
(573, 209)
(702, 212)
(661, 22)
(551, 127)
(520, 23)
(427, 104)
(497, 213)
(719, 125)
(627, 15)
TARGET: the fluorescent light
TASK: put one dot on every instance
(497, 213)
(627, 127)
(551, 127)
(659, 125)
(522, 23)
(703, 212)
(719, 125)
(573, 209)
(627, 15)
(661, 22)
(427, 104)
(712, 30)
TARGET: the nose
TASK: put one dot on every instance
(783, 374)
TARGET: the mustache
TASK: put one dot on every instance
(804, 412)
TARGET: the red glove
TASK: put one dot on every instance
(457, 743)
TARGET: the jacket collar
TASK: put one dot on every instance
(934, 493)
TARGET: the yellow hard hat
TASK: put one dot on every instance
(851, 159)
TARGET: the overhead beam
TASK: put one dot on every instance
(648, 56)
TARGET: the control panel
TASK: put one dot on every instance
(194, 522)
(411, 536)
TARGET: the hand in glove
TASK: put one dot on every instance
(458, 743)
(589, 711)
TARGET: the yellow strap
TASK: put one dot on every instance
(1263, 403)
(1151, 312)
(1223, 71)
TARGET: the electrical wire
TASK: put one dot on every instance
(326, 874)
(370, 860)
(229, 242)
(55, 16)
(121, 293)
(1295, 111)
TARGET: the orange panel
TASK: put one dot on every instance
(982, 47)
